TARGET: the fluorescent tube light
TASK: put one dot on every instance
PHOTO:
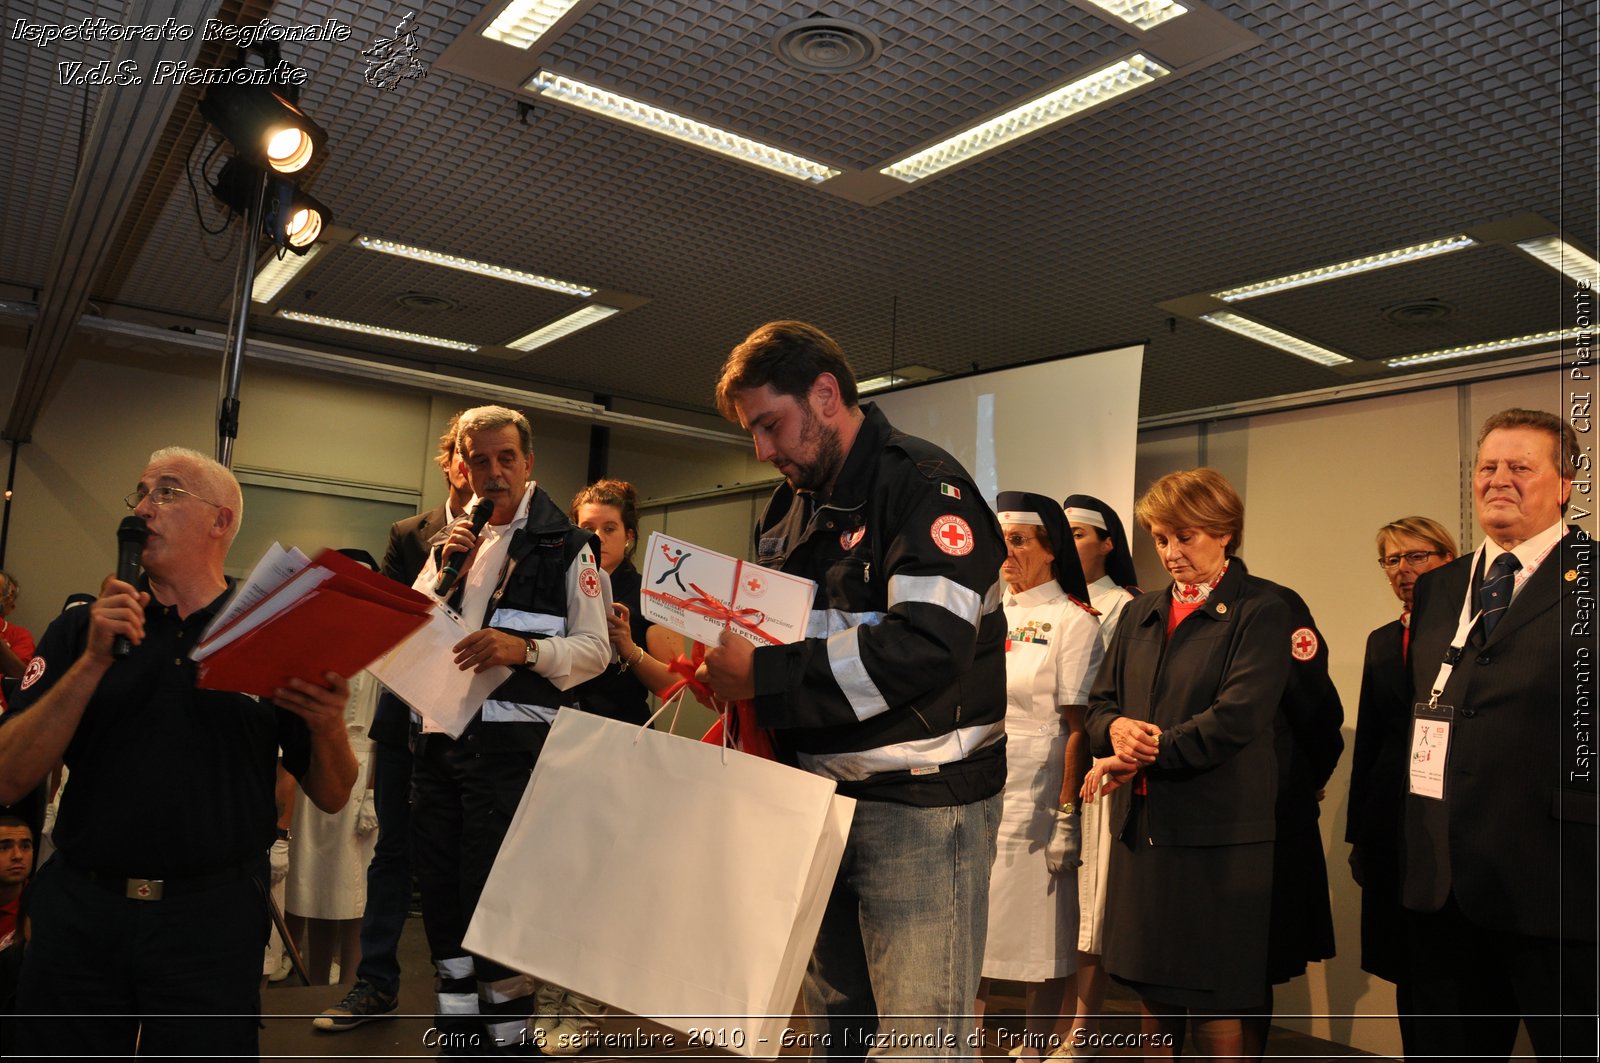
(878, 383)
(1255, 330)
(905, 374)
(1488, 347)
(654, 119)
(374, 330)
(576, 321)
(1109, 82)
(279, 272)
(1560, 255)
(1345, 269)
(1144, 14)
(524, 21)
(468, 265)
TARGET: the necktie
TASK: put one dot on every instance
(1495, 594)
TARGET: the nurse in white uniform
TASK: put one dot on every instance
(1108, 566)
(1053, 649)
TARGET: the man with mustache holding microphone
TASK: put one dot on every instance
(529, 582)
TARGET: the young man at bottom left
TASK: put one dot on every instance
(149, 921)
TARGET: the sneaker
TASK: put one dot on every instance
(546, 1010)
(570, 1036)
(573, 1026)
(362, 1004)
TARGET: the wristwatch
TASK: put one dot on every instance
(530, 655)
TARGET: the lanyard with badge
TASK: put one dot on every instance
(1430, 721)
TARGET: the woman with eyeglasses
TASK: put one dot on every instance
(1407, 548)
(1052, 651)
(1182, 714)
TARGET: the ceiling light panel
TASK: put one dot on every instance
(523, 22)
(1560, 255)
(279, 272)
(375, 330)
(1121, 77)
(1255, 330)
(716, 62)
(1344, 269)
(467, 265)
(620, 108)
(1445, 354)
(576, 321)
(1145, 14)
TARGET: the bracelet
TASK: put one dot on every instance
(626, 664)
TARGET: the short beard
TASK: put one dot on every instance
(827, 456)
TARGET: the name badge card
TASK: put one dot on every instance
(699, 593)
(1430, 744)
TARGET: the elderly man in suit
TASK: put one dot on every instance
(375, 994)
(1499, 835)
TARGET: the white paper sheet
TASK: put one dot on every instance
(422, 672)
(275, 566)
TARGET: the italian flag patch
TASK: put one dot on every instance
(950, 491)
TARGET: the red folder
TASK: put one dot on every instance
(341, 624)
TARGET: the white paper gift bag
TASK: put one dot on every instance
(666, 877)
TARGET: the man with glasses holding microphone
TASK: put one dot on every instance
(149, 922)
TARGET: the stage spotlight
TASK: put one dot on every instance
(291, 217)
(264, 127)
(297, 220)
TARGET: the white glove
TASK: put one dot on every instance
(366, 815)
(280, 860)
(1061, 852)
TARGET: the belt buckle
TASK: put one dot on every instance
(144, 889)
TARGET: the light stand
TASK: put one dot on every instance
(233, 356)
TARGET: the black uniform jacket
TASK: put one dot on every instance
(1214, 691)
(899, 690)
(1514, 837)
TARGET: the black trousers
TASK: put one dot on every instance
(463, 798)
(176, 977)
(1472, 984)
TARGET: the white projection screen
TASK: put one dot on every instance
(1061, 427)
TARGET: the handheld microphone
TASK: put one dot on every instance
(132, 534)
(452, 569)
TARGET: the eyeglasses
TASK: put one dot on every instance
(1415, 558)
(160, 496)
(1017, 542)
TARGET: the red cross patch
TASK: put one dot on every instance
(589, 582)
(952, 535)
(1303, 644)
(35, 670)
(753, 586)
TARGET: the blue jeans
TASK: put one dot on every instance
(389, 873)
(895, 968)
